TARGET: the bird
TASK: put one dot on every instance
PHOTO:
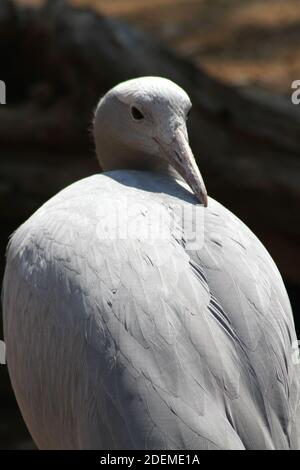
(139, 312)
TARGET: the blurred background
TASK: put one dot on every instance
(236, 58)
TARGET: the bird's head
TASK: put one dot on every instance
(141, 124)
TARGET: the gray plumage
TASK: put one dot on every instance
(137, 343)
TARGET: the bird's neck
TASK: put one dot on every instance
(113, 157)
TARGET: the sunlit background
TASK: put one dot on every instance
(236, 58)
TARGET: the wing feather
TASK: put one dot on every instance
(133, 343)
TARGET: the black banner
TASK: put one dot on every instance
(143, 459)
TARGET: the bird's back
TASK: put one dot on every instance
(135, 320)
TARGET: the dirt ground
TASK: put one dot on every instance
(248, 42)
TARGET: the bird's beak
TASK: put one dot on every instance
(180, 156)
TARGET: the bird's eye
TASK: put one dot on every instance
(136, 114)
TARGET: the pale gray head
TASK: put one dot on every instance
(141, 124)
